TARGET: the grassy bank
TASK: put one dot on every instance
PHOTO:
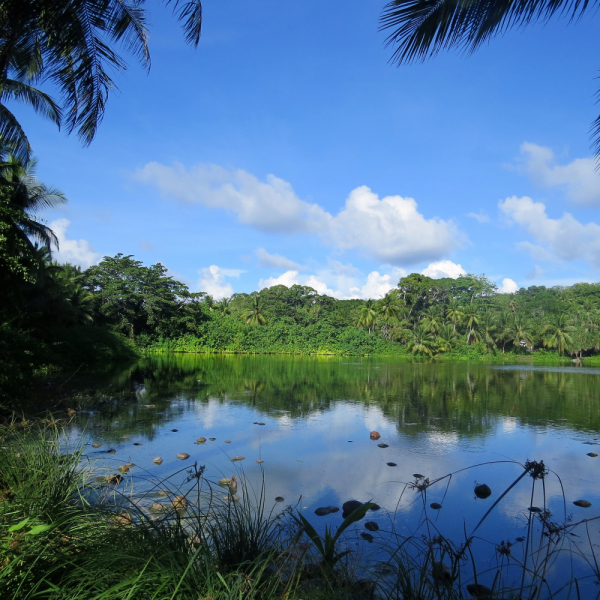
(69, 530)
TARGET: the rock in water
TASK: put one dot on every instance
(183, 456)
(582, 503)
(174, 430)
(480, 592)
(212, 439)
(367, 536)
(236, 458)
(391, 464)
(123, 469)
(279, 498)
(180, 504)
(435, 505)
(111, 451)
(322, 511)
(441, 571)
(592, 454)
(157, 507)
(157, 461)
(228, 441)
(483, 491)
(371, 526)
(383, 445)
(200, 440)
(96, 445)
(375, 435)
(260, 462)
(535, 509)
(351, 506)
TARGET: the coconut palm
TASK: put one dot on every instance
(455, 313)
(557, 333)
(23, 196)
(367, 315)
(521, 333)
(389, 307)
(72, 44)
(432, 321)
(254, 316)
(487, 331)
(422, 342)
(471, 320)
(421, 28)
(224, 306)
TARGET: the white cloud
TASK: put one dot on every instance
(563, 239)
(320, 286)
(508, 286)
(535, 273)
(212, 281)
(77, 252)
(578, 178)
(376, 286)
(289, 278)
(479, 217)
(390, 229)
(443, 268)
(276, 261)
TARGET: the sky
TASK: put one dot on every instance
(288, 149)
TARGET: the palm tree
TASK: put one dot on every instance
(521, 333)
(68, 42)
(224, 307)
(421, 28)
(557, 333)
(455, 313)
(22, 196)
(423, 342)
(487, 331)
(367, 315)
(253, 315)
(471, 320)
(389, 307)
(431, 321)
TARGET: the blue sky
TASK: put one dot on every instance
(287, 149)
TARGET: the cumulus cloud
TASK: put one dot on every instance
(212, 281)
(77, 252)
(390, 229)
(276, 261)
(443, 268)
(479, 217)
(578, 178)
(508, 286)
(289, 278)
(376, 286)
(564, 239)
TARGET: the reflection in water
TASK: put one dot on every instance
(317, 413)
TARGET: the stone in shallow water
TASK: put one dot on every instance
(383, 445)
(351, 506)
(130, 465)
(174, 430)
(111, 451)
(391, 464)
(180, 503)
(279, 498)
(157, 507)
(212, 439)
(480, 592)
(260, 462)
(125, 437)
(483, 491)
(592, 454)
(123, 469)
(367, 536)
(374, 506)
(535, 509)
(228, 441)
(162, 492)
(137, 443)
(322, 511)
(418, 476)
(200, 440)
(582, 503)
(435, 505)
(371, 526)
(236, 458)
(96, 445)
(157, 461)
(183, 456)
(374, 435)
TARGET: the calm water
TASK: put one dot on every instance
(317, 412)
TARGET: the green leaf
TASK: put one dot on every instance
(19, 525)
(38, 529)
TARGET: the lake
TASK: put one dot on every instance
(309, 420)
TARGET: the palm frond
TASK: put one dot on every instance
(191, 13)
(12, 136)
(38, 100)
(421, 28)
